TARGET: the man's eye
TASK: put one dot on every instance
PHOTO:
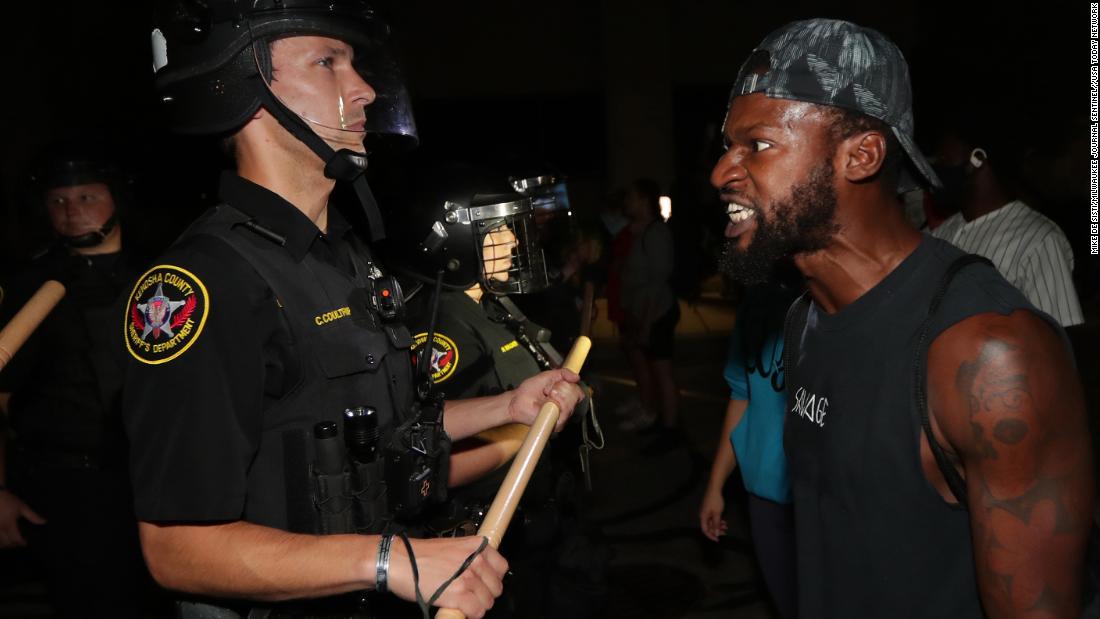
(758, 145)
(89, 197)
(325, 62)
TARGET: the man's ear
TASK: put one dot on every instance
(862, 155)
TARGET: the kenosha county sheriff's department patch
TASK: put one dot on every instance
(165, 314)
(444, 358)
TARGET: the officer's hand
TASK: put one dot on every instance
(12, 508)
(557, 385)
(710, 515)
(437, 560)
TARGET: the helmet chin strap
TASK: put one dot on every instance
(341, 165)
(91, 239)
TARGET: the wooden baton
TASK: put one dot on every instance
(511, 489)
(22, 325)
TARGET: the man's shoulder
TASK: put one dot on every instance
(974, 289)
(1024, 218)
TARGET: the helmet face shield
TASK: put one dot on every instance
(512, 259)
(213, 59)
(343, 88)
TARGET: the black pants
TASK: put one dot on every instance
(772, 528)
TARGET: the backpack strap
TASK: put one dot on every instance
(793, 326)
(954, 480)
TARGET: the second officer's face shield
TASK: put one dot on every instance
(512, 258)
(333, 65)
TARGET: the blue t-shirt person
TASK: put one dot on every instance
(754, 372)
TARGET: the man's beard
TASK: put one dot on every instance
(801, 223)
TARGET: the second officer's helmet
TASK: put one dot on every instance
(471, 226)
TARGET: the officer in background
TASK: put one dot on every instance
(484, 245)
(277, 443)
(66, 493)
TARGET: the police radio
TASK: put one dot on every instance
(418, 456)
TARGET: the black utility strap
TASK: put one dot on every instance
(793, 326)
(954, 480)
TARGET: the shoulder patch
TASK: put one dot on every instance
(444, 353)
(165, 314)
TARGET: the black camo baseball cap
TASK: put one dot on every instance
(833, 62)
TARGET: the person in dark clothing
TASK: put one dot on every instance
(66, 493)
(483, 345)
(268, 324)
(819, 143)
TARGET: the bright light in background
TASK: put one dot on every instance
(666, 207)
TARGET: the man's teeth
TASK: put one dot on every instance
(738, 213)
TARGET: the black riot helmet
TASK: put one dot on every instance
(76, 163)
(213, 70)
(475, 232)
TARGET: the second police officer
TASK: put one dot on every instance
(483, 242)
(268, 321)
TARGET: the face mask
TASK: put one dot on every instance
(954, 186)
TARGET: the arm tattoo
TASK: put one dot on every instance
(996, 396)
(1023, 511)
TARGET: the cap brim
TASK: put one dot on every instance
(919, 162)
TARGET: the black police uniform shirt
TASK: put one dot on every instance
(473, 356)
(217, 379)
(65, 381)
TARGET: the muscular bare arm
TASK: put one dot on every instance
(1006, 397)
(248, 561)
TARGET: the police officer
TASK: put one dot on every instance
(268, 320)
(68, 494)
(482, 245)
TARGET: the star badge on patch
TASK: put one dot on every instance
(165, 314)
(444, 359)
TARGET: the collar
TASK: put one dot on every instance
(271, 211)
(1010, 207)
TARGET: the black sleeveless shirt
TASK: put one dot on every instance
(873, 537)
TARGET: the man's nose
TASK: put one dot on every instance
(360, 91)
(728, 169)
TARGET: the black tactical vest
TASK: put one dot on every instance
(347, 358)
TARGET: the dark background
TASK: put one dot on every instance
(601, 91)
